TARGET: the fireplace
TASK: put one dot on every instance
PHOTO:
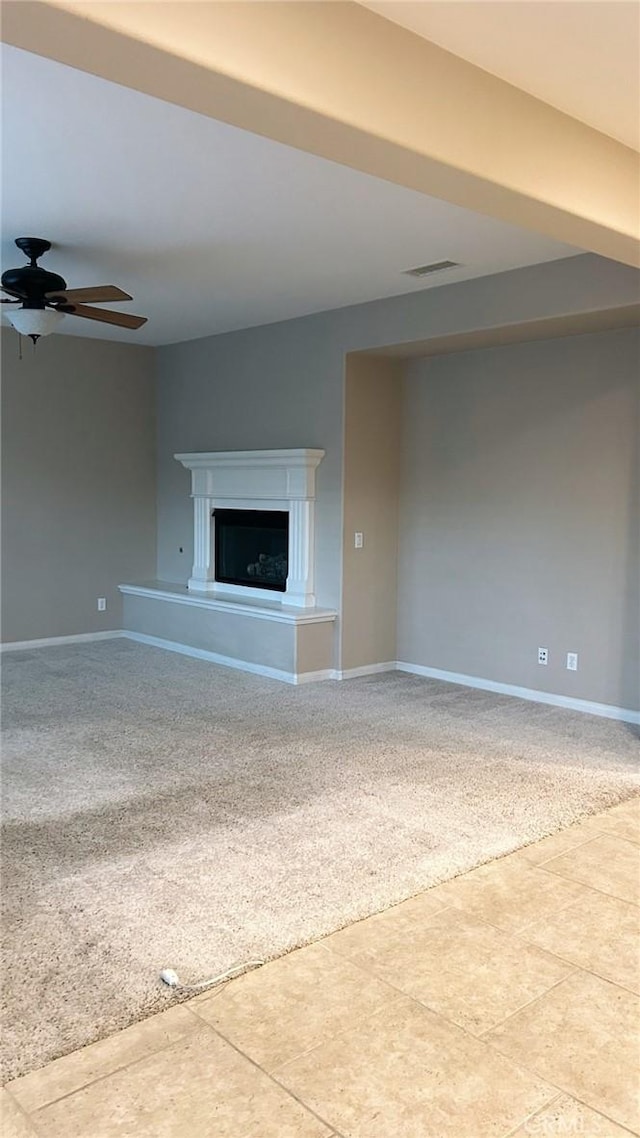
(259, 490)
(252, 548)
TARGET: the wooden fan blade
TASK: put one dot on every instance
(122, 319)
(10, 292)
(92, 295)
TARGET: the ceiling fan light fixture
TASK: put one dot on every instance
(45, 298)
(35, 322)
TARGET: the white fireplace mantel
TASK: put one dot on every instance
(255, 480)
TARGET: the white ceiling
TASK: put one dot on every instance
(581, 56)
(209, 227)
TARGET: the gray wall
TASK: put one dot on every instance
(272, 387)
(519, 515)
(78, 482)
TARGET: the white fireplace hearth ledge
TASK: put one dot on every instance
(259, 609)
(255, 480)
(285, 635)
(285, 642)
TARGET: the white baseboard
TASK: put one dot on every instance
(314, 677)
(230, 661)
(365, 670)
(173, 646)
(49, 641)
(217, 658)
(604, 710)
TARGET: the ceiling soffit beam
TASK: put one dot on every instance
(523, 332)
(339, 81)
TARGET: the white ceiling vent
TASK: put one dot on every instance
(436, 267)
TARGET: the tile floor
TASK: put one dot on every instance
(503, 1003)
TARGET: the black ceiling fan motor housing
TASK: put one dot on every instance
(31, 283)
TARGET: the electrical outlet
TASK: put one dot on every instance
(543, 655)
(572, 661)
(358, 540)
(102, 604)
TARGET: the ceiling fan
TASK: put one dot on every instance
(44, 297)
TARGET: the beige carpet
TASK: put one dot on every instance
(160, 811)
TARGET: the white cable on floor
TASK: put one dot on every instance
(171, 979)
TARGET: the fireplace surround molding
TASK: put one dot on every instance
(255, 480)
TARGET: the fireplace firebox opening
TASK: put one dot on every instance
(251, 548)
